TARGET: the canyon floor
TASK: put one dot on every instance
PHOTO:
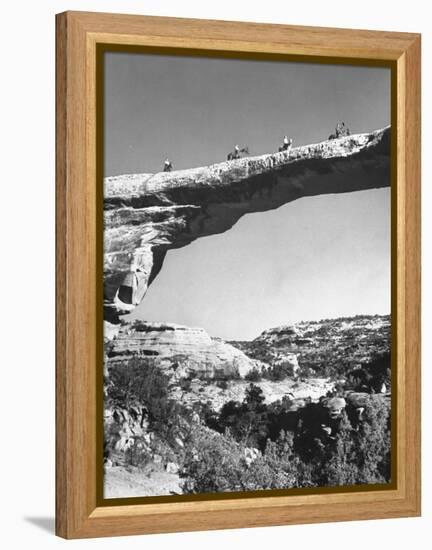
(121, 482)
(204, 370)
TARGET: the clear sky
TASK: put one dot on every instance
(313, 258)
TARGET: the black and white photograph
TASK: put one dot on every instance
(247, 275)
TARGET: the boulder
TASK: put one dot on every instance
(172, 468)
(335, 406)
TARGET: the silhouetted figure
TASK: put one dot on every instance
(341, 130)
(286, 144)
(167, 166)
(237, 153)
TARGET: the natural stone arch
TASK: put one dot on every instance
(145, 215)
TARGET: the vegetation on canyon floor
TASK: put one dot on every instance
(252, 444)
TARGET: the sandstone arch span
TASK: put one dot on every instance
(145, 215)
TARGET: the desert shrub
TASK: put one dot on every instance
(334, 461)
(372, 375)
(207, 414)
(185, 384)
(111, 436)
(141, 381)
(222, 384)
(279, 372)
(229, 417)
(216, 462)
(355, 456)
(254, 398)
(278, 467)
(138, 453)
(167, 451)
(262, 475)
(373, 443)
(281, 457)
(213, 463)
(246, 421)
(254, 375)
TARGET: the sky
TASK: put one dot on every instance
(317, 257)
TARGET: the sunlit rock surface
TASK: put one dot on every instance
(325, 344)
(186, 352)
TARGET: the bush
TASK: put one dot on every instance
(213, 463)
(216, 463)
(138, 454)
(245, 421)
(185, 384)
(279, 372)
(373, 443)
(254, 375)
(371, 376)
(141, 382)
(355, 456)
(137, 381)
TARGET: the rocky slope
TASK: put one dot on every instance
(318, 353)
(147, 214)
(324, 348)
(327, 347)
(299, 392)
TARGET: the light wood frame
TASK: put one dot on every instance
(78, 34)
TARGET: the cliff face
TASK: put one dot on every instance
(183, 351)
(147, 214)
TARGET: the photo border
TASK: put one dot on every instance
(101, 50)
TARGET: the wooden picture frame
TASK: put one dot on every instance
(78, 292)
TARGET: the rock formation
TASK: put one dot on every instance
(187, 352)
(322, 346)
(147, 214)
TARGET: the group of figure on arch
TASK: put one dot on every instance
(341, 130)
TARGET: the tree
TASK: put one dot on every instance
(338, 461)
(254, 375)
(358, 456)
(254, 398)
(374, 446)
(280, 371)
(213, 463)
(246, 421)
(141, 382)
(372, 375)
(216, 463)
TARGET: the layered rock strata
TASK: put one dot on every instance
(188, 352)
